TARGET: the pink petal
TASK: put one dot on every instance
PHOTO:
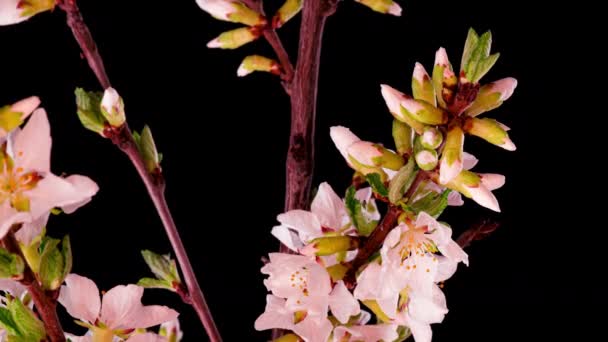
(342, 303)
(328, 207)
(428, 309)
(304, 222)
(468, 161)
(314, 328)
(12, 287)
(448, 172)
(80, 297)
(53, 191)
(147, 337)
(287, 237)
(31, 230)
(367, 333)
(10, 14)
(32, 146)
(85, 187)
(275, 315)
(421, 331)
(122, 309)
(9, 216)
(492, 181)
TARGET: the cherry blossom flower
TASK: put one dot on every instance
(404, 284)
(28, 189)
(118, 313)
(326, 216)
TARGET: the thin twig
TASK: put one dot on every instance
(479, 231)
(275, 42)
(46, 305)
(154, 183)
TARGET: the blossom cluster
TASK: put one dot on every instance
(398, 282)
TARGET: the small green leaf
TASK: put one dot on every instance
(11, 265)
(469, 46)
(55, 263)
(7, 323)
(29, 327)
(88, 105)
(147, 148)
(355, 210)
(162, 266)
(485, 66)
(152, 283)
(432, 203)
(375, 181)
(402, 181)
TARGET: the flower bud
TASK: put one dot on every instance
(444, 79)
(233, 11)
(431, 138)
(422, 87)
(113, 108)
(382, 6)
(492, 95)
(289, 10)
(402, 134)
(330, 245)
(492, 181)
(370, 154)
(423, 112)
(491, 131)
(235, 38)
(470, 185)
(426, 159)
(258, 63)
(393, 99)
(451, 158)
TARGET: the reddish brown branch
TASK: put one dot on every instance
(154, 183)
(479, 231)
(46, 304)
(85, 40)
(372, 244)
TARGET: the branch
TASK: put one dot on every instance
(155, 183)
(275, 42)
(371, 245)
(46, 305)
(479, 231)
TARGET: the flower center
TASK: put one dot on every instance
(299, 280)
(14, 182)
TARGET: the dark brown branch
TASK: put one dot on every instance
(46, 304)
(372, 244)
(154, 182)
(479, 231)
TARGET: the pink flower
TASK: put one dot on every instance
(404, 284)
(119, 312)
(28, 189)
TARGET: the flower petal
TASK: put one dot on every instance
(13, 287)
(287, 237)
(314, 328)
(10, 216)
(85, 187)
(32, 146)
(367, 333)
(80, 297)
(275, 315)
(30, 230)
(328, 207)
(304, 222)
(147, 337)
(122, 309)
(53, 191)
(342, 303)
(343, 138)
(10, 13)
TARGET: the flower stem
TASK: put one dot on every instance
(46, 305)
(155, 183)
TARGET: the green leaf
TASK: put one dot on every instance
(29, 327)
(152, 283)
(485, 66)
(162, 266)
(375, 181)
(7, 323)
(355, 211)
(11, 265)
(88, 105)
(147, 148)
(432, 203)
(402, 181)
(480, 61)
(469, 45)
(55, 263)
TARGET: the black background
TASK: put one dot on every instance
(224, 141)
